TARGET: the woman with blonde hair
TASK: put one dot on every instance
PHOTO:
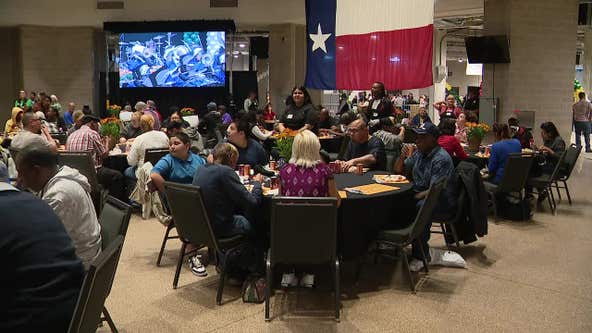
(149, 138)
(305, 176)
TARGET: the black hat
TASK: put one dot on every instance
(427, 128)
(87, 118)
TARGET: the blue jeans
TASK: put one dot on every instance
(130, 172)
(582, 127)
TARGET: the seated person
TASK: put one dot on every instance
(420, 118)
(226, 117)
(326, 121)
(428, 164)
(363, 149)
(500, 150)
(14, 125)
(33, 132)
(553, 146)
(268, 113)
(448, 141)
(227, 200)
(133, 129)
(150, 138)
(518, 132)
(305, 176)
(391, 135)
(197, 145)
(179, 165)
(249, 151)
(41, 276)
(55, 122)
(341, 128)
(67, 192)
(461, 128)
(77, 117)
(175, 116)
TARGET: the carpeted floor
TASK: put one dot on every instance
(523, 277)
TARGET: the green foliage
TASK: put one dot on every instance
(111, 129)
(284, 146)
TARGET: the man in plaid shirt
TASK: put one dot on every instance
(87, 138)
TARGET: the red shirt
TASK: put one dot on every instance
(269, 115)
(452, 146)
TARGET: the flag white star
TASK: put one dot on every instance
(319, 39)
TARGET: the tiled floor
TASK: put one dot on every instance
(524, 276)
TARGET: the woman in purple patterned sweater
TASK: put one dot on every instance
(306, 176)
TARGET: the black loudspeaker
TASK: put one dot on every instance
(260, 47)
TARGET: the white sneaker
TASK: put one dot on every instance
(307, 280)
(415, 265)
(289, 280)
(196, 266)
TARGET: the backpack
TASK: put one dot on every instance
(511, 208)
(253, 290)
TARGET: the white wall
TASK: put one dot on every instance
(459, 78)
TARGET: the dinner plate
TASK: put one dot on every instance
(389, 179)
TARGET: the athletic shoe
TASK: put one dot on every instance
(289, 280)
(307, 281)
(415, 265)
(196, 267)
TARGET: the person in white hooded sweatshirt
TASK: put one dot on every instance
(67, 192)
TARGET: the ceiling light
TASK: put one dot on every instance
(241, 45)
(236, 55)
(244, 53)
(235, 52)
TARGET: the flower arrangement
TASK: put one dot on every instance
(187, 111)
(477, 130)
(284, 143)
(114, 110)
(111, 127)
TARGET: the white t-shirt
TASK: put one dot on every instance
(26, 138)
(149, 140)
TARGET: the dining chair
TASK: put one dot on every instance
(194, 228)
(513, 181)
(448, 225)
(83, 161)
(545, 182)
(289, 231)
(95, 289)
(401, 238)
(571, 157)
(153, 155)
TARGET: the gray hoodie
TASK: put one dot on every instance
(68, 194)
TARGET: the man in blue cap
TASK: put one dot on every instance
(427, 164)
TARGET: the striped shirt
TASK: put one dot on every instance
(85, 139)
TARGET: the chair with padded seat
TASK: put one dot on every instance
(448, 225)
(83, 161)
(152, 155)
(571, 157)
(289, 231)
(194, 228)
(401, 238)
(545, 182)
(513, 181)
(169, 227)
(95, 289)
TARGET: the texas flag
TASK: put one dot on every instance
(353, 43)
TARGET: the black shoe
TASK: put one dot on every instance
(542, 196)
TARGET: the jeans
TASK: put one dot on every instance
(582, 127)
(130, 173)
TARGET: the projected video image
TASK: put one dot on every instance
(172, 59)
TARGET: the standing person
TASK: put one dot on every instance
(251, 103)
(448, 109)
(23, 102)
(300, 113)
(305, 176)
(14, 125)
(69, 115)
(582, 116)
(379, 106)
(41, 274)
(67, 192)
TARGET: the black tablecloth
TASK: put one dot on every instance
(362, 216)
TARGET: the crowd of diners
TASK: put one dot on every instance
(50, 228)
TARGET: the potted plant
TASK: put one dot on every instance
(111, 127)
(113, 110)
(475, 134)
(187, 111)
(284, 145)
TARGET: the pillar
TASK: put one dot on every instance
(542, 37)
(587, 62)
(438, 92)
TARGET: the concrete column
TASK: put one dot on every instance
(587, 61)
(542, 49)
(437, 92)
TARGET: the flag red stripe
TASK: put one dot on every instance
(402, 59)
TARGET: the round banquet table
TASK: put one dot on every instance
(360, 216)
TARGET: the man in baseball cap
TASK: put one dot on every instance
(427, 162)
